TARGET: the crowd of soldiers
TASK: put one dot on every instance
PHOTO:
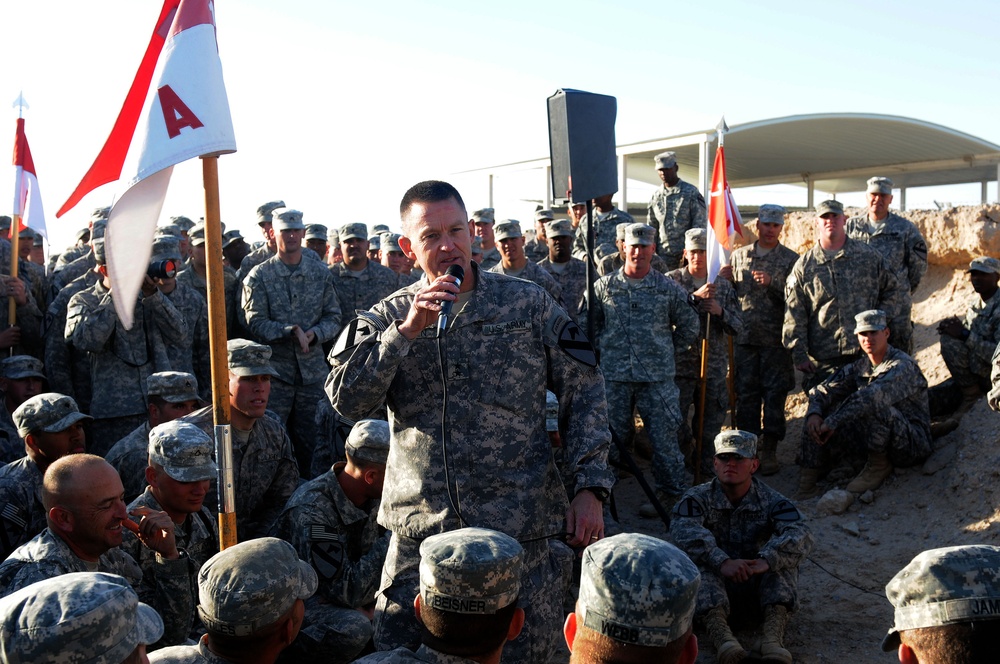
(406, 494)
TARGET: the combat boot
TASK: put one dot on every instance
(970, 395)
(768, 452)
(727, 649)
(873, 474)
(807, 483)
(648, 510)
(775, 621)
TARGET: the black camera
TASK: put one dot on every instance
(162, 269)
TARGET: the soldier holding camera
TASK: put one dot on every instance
(121, 360)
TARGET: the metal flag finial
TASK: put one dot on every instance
(722, 127)
(20, 104)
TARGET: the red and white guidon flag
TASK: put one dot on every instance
(724, 220)
(27, 198)
(176, 110)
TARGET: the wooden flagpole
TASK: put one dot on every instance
(217, 343)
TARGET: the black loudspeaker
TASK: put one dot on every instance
(582, 145)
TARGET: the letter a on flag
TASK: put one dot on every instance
(176, 110)
(723, 218)
(27, 198)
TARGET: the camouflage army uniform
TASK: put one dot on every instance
(638, 330)
(672, 211)
(970, 360)
(765, 524)
(22, 515)
(67, 367)
(191, 279)
(536, 251)
(197, 537)
(47, 555)
(905, 251)
(70, 255)
(346, 547)
(264, 471)
(490, 259)
(360, 291)
(883, 409)
(689, 365)
(11, 443)
(35, 280)
(252, 260)
(573, 283)
(73, 271)
(536, 275)
(194, 357)
(764, 370)
(504, 347)
(422, 654)
(130, 456)
(823, 295)
(604, 234)
(275, 298)
(121, 360)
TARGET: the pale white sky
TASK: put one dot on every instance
(339, 106)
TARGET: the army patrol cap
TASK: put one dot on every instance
(559, 228)
(944, 586)
(695, 239)
(369, 441)
(985, 264)
(229, 237)
(97, 229)
(665, 160)
(38, 240)
(870, 321)
(21, 366)
(507, 229)
(734, 441)
(333, 236)
(349, 231)
(374, 243)
(5, 222)
(252, 585)
(100, 214)
(879, 185)
(83, 234)
(641, 234)
(477, 246)
(184, 451)
(173, 386)
(551, 411)
(390, 242)
(166, 248)
(544, 215)
(316, 232)
(771, 214)
(248, 358)
(829, 207)
(470, 570)
(26, 233)
(378, 229)
(49, 412)
(171, 230)
(484, 216)
(182, 223)
(284, 219)
(197, 235)
(100, 255)
(264, 212)
(620, 231)
(637, 589)
(84, 617)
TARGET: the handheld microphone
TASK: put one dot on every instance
(459, 273)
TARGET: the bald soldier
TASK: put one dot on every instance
(636, 603)
(82, 494)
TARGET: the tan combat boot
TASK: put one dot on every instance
(807, 483)
(768, 452)
(727, 649)
(775, 621)
(873, 474)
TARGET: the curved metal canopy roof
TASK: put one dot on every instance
(838, 152)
